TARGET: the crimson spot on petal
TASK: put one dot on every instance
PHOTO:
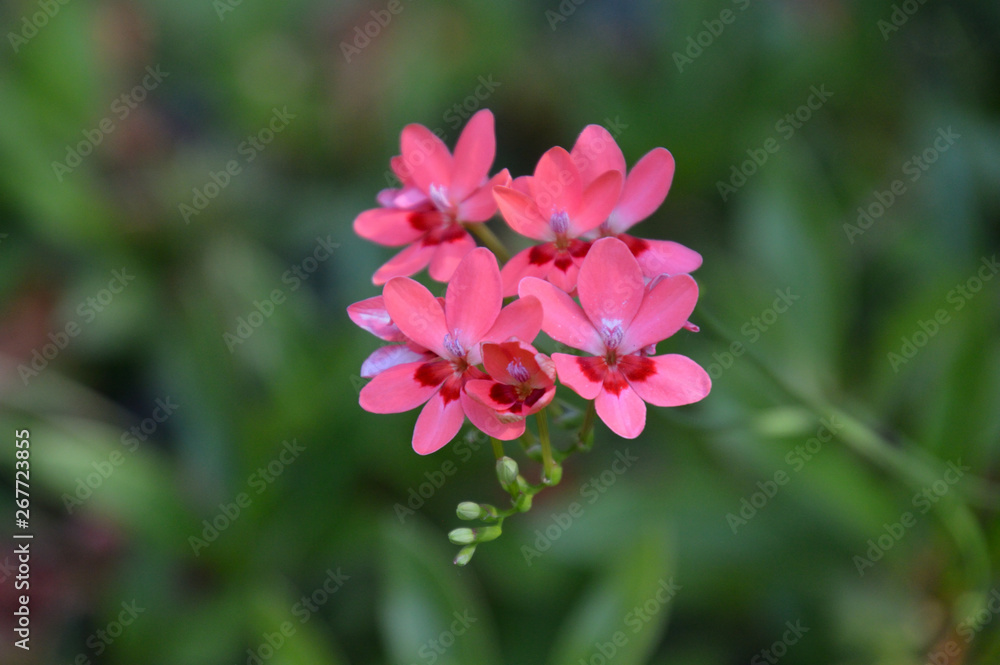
(541, 254)
(636, 368)
(593, 368)
(502, 393)
(433, 373)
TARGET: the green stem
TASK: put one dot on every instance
(489, 240)
(543, 436)
(497, 448)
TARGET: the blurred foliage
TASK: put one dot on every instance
(269, 585)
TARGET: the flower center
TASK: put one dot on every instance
(439, 197)
(559, 222)
(611, 333)
(518, 371)
(452, 345)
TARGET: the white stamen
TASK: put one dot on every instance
(439, 197)
(517, 371)
(452, 345)
(611, 332)
(559, 222)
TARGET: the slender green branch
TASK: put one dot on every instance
(489, 240)
(497, 447)
(551, 468)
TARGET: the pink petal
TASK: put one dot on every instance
(611, 287)
(385, 357)
(566, 278)
(489, 422)
(412, 259)
(473, 298)
(562, 319)
(521, 320)
(595, 152)
(395, 390)
(579, 374)
(496, 359)
(666, 257)
(387, 226)
(417, 313)
(473, 156)
(556, 186)
(645, 189)
(448, 255)
(437, 424)
(664, 311)
(480, 205)
(370, 314)
(425, 158)
(521, 214)
(596, 203)
(481, 391)
(522, 265)
(624, 413)
(675, 380)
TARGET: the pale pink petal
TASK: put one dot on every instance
(521, 214)
(496, 360)
(385, 357)
(574, 375)
(556, 186)
(448, 255)
(370, 314)
(520, 320)
(473, 298)
(481, 205)
(521, 265)
(437, 424)
(595, 152)
(402, 171)
(522, 184)
(387, 226)
(624, 413)
(611, 287)
(645, 189)
(425, 158)
(473, 156)
(396, 390)
(417, 313)
(664, 311)
(562, 318)
(491, 423)
(596, 203)
(411, 260)
(666, 257)
(676, 380)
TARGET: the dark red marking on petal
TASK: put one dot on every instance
(433, 373)
(635, 245)
(425, 221)
(451, 389)
(501, 393)
(614, 382)
(593, 367)
(563, 261)
(579, 248)
(541, 254)
(636, 368)
(533, 397)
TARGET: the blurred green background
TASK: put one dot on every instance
(138, 225)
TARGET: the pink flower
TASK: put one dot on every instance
(440, 193)
(471, 315)
(371, 315)
(521, 382)
(557, 207)
(619, 319)
(645, 189)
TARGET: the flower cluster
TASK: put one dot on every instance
(585, 281)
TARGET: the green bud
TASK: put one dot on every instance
(554, 476)
(462, 536)
(465, 555)
(469, 510)
(507, 472)
(487, 534)
(523, 503)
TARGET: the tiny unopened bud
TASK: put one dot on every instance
(523, 503)
(487, 534)
(469, 510)
(465, 555)
(553, 476)
(462, 536)
(507, 472)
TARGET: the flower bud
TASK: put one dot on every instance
(553, 476)
(469, 510)
(465, 555)
(488, 533)
(523, 503)
(507, 472)
(462, 536)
